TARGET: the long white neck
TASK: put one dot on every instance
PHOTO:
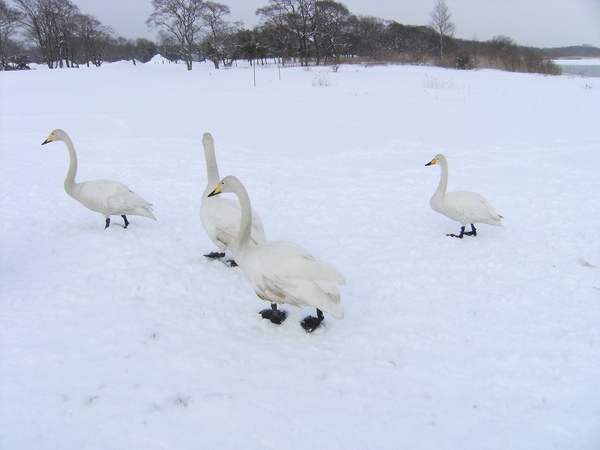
(70, 179)
(212, 170)
(441, 190)
(241, 244)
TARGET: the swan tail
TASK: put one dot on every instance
(142, 208)
(145, 212)
(326, 297)
(333, 303)
(497, 220)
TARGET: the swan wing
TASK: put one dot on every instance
(283, 272)
(221, 220)
(111, 198)
(469, 207)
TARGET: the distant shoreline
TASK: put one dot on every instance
(578, 61)
(585, 67)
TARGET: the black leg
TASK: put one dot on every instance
(460, 236)
(473, 231)
(125, 220)
(275, 315)
(311, 323)
(107, 223)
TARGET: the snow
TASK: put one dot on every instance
(131, 339)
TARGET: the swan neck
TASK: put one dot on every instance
(212, 170)
(441, 190)
(70, 179)
(243, 239)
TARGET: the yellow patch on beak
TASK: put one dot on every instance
(49, 139)
(432, 162)
(216, 191)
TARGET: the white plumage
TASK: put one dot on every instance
(109, 198)
(463, 206)
(281, 271)
(221, 216)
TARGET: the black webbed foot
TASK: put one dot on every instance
(459, 236)
(276, 316)
(125, 221)
(311, 323)
(231, 263)
(107, 223)
(215, 255)
(473, 232)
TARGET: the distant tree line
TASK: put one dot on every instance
(579, 51)
(304, 32)
(57, 33)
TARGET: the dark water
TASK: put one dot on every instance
(580, 70)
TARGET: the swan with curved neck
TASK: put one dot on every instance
(465, 207)
(220, 217)
(282, 272)
(107, 197)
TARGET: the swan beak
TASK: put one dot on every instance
(217, 191)
(47, 140)
(432, 162)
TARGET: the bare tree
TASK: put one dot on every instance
(51, 25)
(183, 20)
(168, 46)
(35, 28)
(220, 31)
(251, 45)
(297, 16)
(64, 23)
(276, 39)
(330, 26)
(9, 20)
(441, 23)
(94, 38)
(144, 50)
(368, 36)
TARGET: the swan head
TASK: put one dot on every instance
(56, 135)
(227, 184)
(207, 139)
(436, 160)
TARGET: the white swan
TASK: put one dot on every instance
(109, 198)
(463, 206)
(221, 216)
(281, 271)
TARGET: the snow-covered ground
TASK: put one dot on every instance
(131, 339)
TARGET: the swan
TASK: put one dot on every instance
(220, 217)
(281, 271)
(109, 198)
(463, 206)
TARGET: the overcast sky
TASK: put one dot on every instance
(536, 23)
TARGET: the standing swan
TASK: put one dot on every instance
(282, 271)
(109, 198)
(463, 206)
(221, 216)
